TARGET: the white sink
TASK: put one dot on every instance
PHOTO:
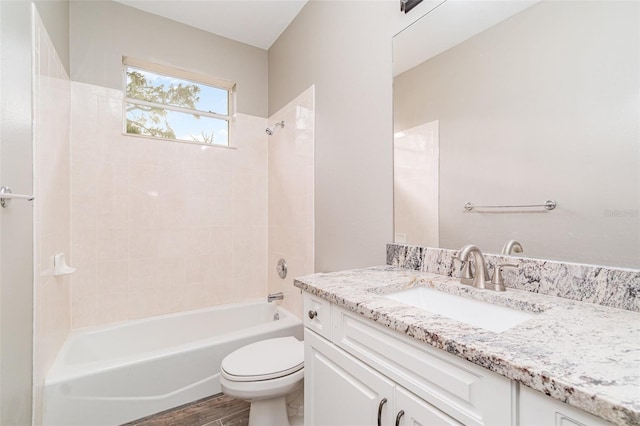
(473, 312)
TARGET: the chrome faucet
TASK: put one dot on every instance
(482, 275)
(275, 296)
(511, 246)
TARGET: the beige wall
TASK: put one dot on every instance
(344, 49)
(101, 32)
(542, 106)
(52, 178)
(291, 197)
(162, 226)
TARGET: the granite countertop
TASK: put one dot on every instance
(583, 354)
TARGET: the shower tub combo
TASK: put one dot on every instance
(113, 374)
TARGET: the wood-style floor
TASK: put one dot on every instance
(216, 410)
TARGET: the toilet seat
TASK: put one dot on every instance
(264, 360)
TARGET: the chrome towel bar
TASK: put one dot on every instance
(548, 205)
(6, 196)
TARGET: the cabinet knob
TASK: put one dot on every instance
(398, 417)
(312, 314)
(384, 401)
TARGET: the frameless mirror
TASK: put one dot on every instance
(514, 103)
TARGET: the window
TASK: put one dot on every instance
(168, 103)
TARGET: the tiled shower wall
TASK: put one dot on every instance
(159, 226)
(51, 111)
(291, 197)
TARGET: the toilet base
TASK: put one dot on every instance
(269, 412)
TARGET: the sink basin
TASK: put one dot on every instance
(473, 312)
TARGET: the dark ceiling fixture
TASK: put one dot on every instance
(407, 5)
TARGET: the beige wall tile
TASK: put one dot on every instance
(52, 172)
(290, 198)
(162, 226)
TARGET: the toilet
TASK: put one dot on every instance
(264, 373)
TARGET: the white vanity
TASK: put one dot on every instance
(357, 371)
(370, 360)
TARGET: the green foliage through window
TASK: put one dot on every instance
(173, 108)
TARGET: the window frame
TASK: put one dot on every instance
(189, 76)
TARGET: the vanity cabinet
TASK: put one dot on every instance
(356, 369)
(341, 390)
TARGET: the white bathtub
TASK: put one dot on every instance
(113, 374)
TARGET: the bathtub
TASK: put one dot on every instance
(114, 374)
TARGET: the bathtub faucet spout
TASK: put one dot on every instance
(275, 296)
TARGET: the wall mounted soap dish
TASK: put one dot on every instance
(60, 266)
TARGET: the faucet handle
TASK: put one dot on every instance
(466, 276)
(497, 280)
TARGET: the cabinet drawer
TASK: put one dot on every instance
(317, 315)
(470, 394)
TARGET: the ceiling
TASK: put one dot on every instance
(255, 22)
(449, 24)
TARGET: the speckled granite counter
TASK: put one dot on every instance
(580, 353)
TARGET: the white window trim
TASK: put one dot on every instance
(186, 75)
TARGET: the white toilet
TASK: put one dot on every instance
(264, 373)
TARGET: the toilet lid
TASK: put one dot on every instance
(264, 360)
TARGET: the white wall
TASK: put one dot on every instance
(344, 49)
(55, 18)
(16, 244)
(541, 106)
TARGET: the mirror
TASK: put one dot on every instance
(512, 104)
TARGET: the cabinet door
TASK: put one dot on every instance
(418, 412)
(536, 408)
(340, 390)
